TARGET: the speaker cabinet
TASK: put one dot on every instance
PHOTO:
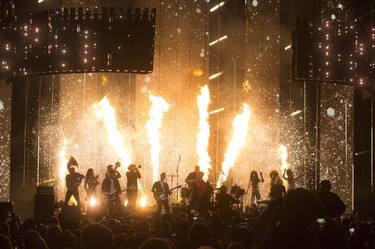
(43, 207)
(5, 209)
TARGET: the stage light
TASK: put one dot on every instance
(216, 111)
(40, 1)
(216, 7)
(288, 47)
(215, 75)
(296, 113)
(93, 201)
(218, 40)
(143, 202)
(255, 3)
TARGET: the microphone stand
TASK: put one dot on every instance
(178, 164)
(173, 176)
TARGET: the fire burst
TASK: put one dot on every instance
(107, 114)
(156, 113)
(204, 160)
(240, 129)
(283, 157)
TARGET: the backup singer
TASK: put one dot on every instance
(73, 181)
(132, 185)
(254, 183)
(91, 182)
(161, 192)
(112, 190)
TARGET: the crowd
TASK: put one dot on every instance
(300, 219)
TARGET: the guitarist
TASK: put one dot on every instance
(73, 180)
(161, 192)
(111, 188)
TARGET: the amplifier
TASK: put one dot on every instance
(45, 190)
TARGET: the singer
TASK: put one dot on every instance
(132, 185)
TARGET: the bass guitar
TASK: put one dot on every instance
(163, 195)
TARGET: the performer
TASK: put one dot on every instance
(254, 183)
(224, 201)
(205, 198)
(161, 192)
(91, 181)
(110, 169)
(132, 185)
(112, 190)
(190, 179)
(289, 178)
(277, 188)
(199, 187)
(73, 181)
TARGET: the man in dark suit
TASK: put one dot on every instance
(193, 180)
(112, 190)
(161, 192)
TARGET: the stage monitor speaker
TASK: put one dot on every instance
(43, 207)
(5, 209)
(48, 190)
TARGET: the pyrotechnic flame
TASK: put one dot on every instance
(107, 114)
(153, 125)
(204, 160)
(240, 129)
(284, 157)
(62, 170)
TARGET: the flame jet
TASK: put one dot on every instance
(204, 160)
(283, 157)
(153, 125)
(107, 114)
(240, 129)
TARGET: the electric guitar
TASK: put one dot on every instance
(112, 197)
(162, 195)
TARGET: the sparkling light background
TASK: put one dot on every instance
(180, 69)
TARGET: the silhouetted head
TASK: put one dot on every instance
(71, 170)
(89, 172)
(163, 176)
(274, 174)
(223, 189)
(96, 236)
(253, 175)
(289, 173)
(159, 243)
(199, 234)
(301, 207)
(197, 168)
(325, 186)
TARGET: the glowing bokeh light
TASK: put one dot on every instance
(93, 201)
(143, 202)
